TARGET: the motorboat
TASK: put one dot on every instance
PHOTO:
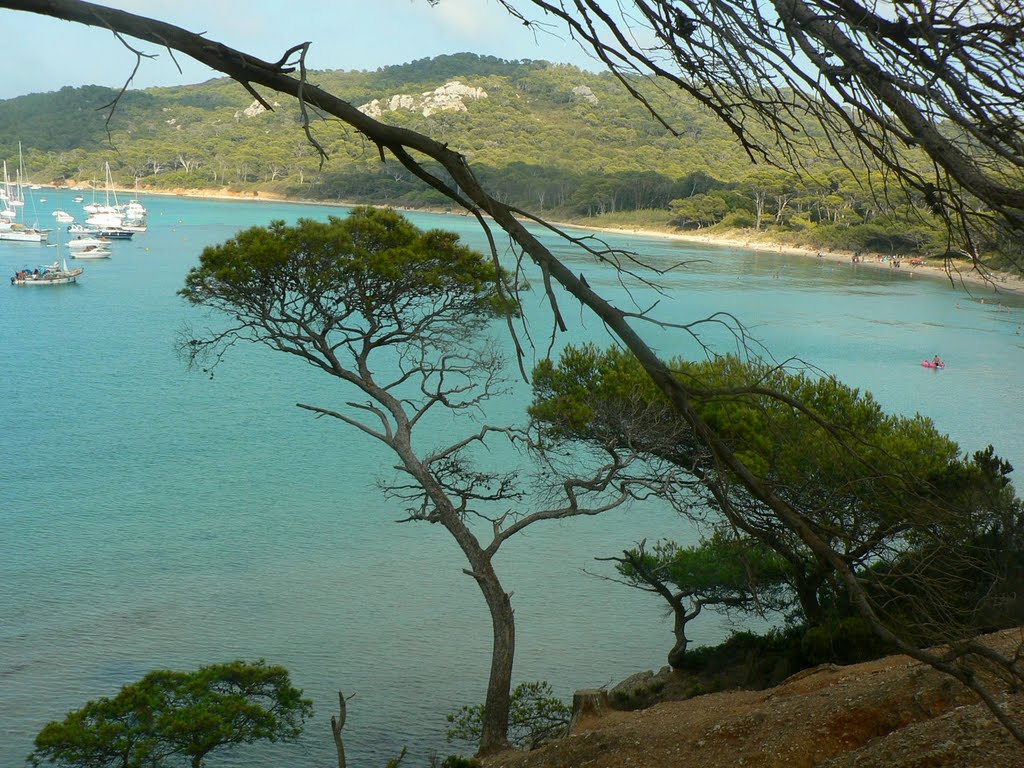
(114, 233)
(81, 242)
(91, 252)
(111, 233)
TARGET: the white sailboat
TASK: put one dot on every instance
(135, 213)
(113, 218)
(7, 211)
(13, 201)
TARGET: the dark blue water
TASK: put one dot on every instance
(153, 517)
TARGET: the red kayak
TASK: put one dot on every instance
(930, 364)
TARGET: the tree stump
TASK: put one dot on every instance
(588, 702)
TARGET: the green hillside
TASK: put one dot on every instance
(549, 138)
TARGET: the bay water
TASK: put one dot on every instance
(155, 517)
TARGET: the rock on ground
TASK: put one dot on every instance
(889, 713)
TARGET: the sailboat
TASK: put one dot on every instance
(106, 215)
(116, 220)
(7, 209)
(47, 274)
(56, 273)
(10, 227)
(13, 200)
(135, 213)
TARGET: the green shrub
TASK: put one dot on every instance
(846, 641)
(738, 220)
(535, 716)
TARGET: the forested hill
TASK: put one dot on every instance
(536, 121)
(547, 137)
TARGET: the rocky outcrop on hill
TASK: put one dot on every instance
(584, 92)
(253, 110)
(450, 97)
(890, 713)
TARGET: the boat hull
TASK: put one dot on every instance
(60, 279)
(24, 235)
(47, 274)
(110, 234)
(88, 242)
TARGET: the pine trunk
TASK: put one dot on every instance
(494, 730)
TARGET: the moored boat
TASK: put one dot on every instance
(48, 274)
(113, 216)
(11, 209)
(21, 234)
(112, 233)
(88, 242)
(91, 252)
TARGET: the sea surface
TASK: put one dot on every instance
(155, 517)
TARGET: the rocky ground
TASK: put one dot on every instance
(890, 713)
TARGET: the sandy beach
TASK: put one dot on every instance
(960, 277)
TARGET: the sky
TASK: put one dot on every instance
(345, 34)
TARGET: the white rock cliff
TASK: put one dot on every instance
(450, 97)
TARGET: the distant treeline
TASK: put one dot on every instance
(548, 138)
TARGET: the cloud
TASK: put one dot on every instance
(464, 17)
(471, 19)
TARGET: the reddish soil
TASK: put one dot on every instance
(890, 713)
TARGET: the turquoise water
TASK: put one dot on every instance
(152, 517)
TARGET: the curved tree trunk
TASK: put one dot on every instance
(806, 588)
(337, 723)
(680, 617)
(494, 730)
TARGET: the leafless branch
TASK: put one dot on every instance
(740, 62)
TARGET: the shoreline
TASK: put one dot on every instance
(966, 279)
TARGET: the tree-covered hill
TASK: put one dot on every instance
(547, 137)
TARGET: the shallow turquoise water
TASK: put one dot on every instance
(153, 517)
